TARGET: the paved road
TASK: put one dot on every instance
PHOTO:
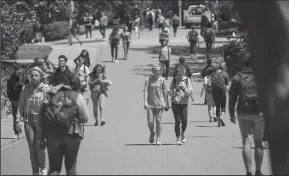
(122, 147)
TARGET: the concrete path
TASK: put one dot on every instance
(122, 146)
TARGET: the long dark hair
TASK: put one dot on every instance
(95, 70)
(87, 55)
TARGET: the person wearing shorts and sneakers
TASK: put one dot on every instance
(155, 102)
(250, 116)
(164, 58)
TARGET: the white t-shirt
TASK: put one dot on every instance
(165, 53)
(81, 72)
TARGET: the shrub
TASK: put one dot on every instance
(56, 30)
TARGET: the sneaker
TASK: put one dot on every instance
(96, 123)
(211, 119)
(43, 172)
(179, 142)
(102, 123)
(158, 142)
(152, 137)
(15, 136)
(258, 173)
(184, 139)
(116, 61)
(215, 119)
(222, 122)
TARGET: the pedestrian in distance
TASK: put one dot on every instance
(137, 26)
(98, 84)
(250, 115)
(180, 91)
(88, 24)
(150, 18)
(130, 23)
(220, 80)
(73, 30)
(164, 58)
(84, 53)
(126, 40)
(114, 39)
(103, 24)
(61, 115)
(164, 35)
(175, 23)
(62, 72)
(155, 102)
(205, 72)
(193, 39)
(82, 72)
(182, 63)
(207, 87)
(161, 21)
(29, 105)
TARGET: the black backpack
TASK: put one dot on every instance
(150, 15)
(60, 113)
(218, 81)
(248, 98)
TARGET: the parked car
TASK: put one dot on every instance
(193, 15)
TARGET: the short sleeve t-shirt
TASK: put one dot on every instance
(155, 92)
(165, 53)
(80, 71)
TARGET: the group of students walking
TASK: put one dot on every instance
(53, 113)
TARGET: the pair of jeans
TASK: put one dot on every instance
(114, 51)
(88, 30)
(220, 99)
(209, 45)
(14, 106)
(102, 29)
(193, 47)
(175, 27)
(155, 114)
(150, 24)
(166, 68)
(60, 146)
(125, 48)
(98, 101)
(37, 155)
(180, 112)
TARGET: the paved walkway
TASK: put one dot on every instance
(122, 147)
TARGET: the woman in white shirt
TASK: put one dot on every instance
(136, 26)
(82, 72)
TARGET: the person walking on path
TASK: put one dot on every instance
(88, 24)
(82, 72)
(180, 91)
(155, 102)
(62, 113)
(114, 39)
(161, 22)
(175, 23)
(30, 102)
(137, 26)
(205, 72)
(164, 58)
(84, 53)
(126, 39)
(250, 116)
(150, 18)
(193, 38)
(73, 31)
(103, 24)
(98, 84)
(207, 87)
(130, 23)
(164, 35)
(14, 87)
(219, 82)
(62, 72)
(183, 64)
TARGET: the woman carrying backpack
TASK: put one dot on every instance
(82, 72)
(164, 58)
(98, 84)
(126, 39)
(63, 137)
(209, 95)
(155, 102)
(84, 53)
(180, 91)
(114, 39)
(29, 105)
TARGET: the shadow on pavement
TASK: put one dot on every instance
(76, 42)
(132, 145)
(196, 121)
(168, 123)
(7, 138)
(204, 126)
(201, 136)
(241, 148)
(199, 104)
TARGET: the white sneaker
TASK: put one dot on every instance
(179, 142)
(184, 139)
(116, 61)
(158, 142)
(43, 171)
(15, 136)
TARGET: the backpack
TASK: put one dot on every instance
(192, 36)
(248, 97)
(209, 88)
(60, 113)
(217, 81)
(150, 15)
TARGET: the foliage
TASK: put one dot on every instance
(56, 30)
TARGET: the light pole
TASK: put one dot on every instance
(180, 12)
(71, 4)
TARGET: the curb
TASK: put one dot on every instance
(95, 61)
